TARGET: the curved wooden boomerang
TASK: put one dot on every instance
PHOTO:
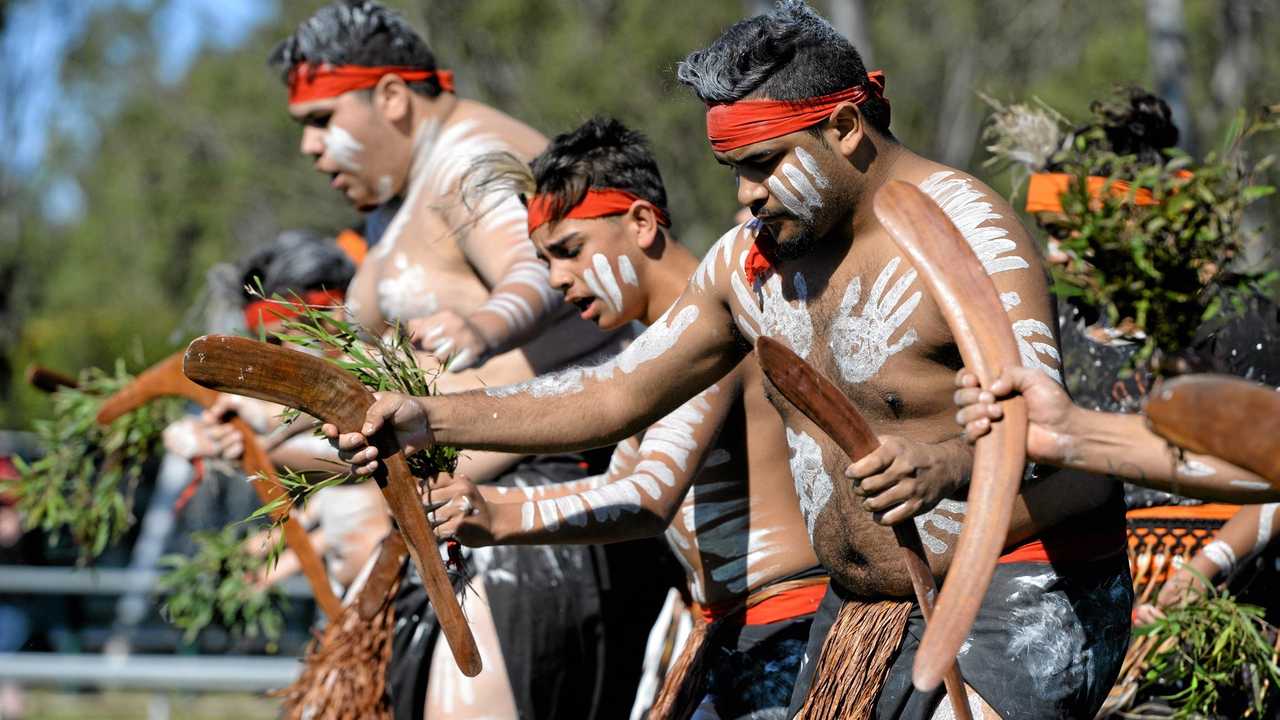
(320, 388)
(46, 380)
(1227, 417)
(829, 409)
(969, 302)
(165, 379)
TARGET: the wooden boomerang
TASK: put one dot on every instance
(320, 388)
(165, 379)
(386, 569)
(824, 404)
(1227, 417)
(46, 380)
(972, 308)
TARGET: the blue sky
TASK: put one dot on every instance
(38, 36)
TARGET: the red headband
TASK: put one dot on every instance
(261, 313)
(309, 82)
(734, 125)
(595, 204)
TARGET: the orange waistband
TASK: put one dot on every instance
(774, 603)
(1067, 544)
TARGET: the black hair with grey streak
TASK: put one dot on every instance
(601, 153)
(789, 53)
(357, 32)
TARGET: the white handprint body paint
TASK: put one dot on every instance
(966, 207)
(950, 526)
(773, 315)
(653, 343)
(343, 148)
(861, 343)
(813, 484)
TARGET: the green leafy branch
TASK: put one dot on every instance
(1215, 657)
(218, 584)
(1158, 271)
(86, 481)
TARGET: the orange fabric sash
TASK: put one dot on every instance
(596, 203)
(309, 82)
(1045, 191)
(353, 245)
(734, 125)
(792, 600)
(260, 313)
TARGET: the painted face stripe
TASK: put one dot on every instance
(604, 272)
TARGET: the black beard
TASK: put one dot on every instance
(799, 245)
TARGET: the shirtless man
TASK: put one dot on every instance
(727, 505)
(818, 272)
(381, 120)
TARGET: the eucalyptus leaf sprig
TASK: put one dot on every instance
(1214, 657)
(385, 363)
(217, 584)
(86, 481)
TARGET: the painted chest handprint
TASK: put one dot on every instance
(863, 342)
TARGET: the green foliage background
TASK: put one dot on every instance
(187, 175)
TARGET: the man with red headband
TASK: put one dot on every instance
(712, 475)
(380, 118)
(806, 129)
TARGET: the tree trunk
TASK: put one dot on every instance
(850, 18)
(1167, 47)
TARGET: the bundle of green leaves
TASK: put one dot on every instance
(1215, 658)
(86, 481)
(1158, 271)
(217, 585)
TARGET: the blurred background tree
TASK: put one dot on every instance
(146, 140)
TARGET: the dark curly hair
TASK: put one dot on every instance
(357, 32)
(1130, 121)
(790, 53)
(600, 153)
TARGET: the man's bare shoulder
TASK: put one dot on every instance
(724, 260)
(519, 138)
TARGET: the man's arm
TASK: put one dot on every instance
(689, 348)
(494, 237)
(637, 498)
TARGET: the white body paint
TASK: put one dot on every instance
(1221, 555)
(1040, 637)
(343, 148)
(861, 342)
(1251, 484)
(1196, 468)
(813, 484)
(1266, 516)
(971, 214)
(946, 525)
(659, 338)
(404, 291)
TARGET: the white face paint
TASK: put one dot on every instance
(386, 189)
(627, 271)
(343, 148)
(603, 283)
(861, 343)
(813, 484)
(805, 180)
